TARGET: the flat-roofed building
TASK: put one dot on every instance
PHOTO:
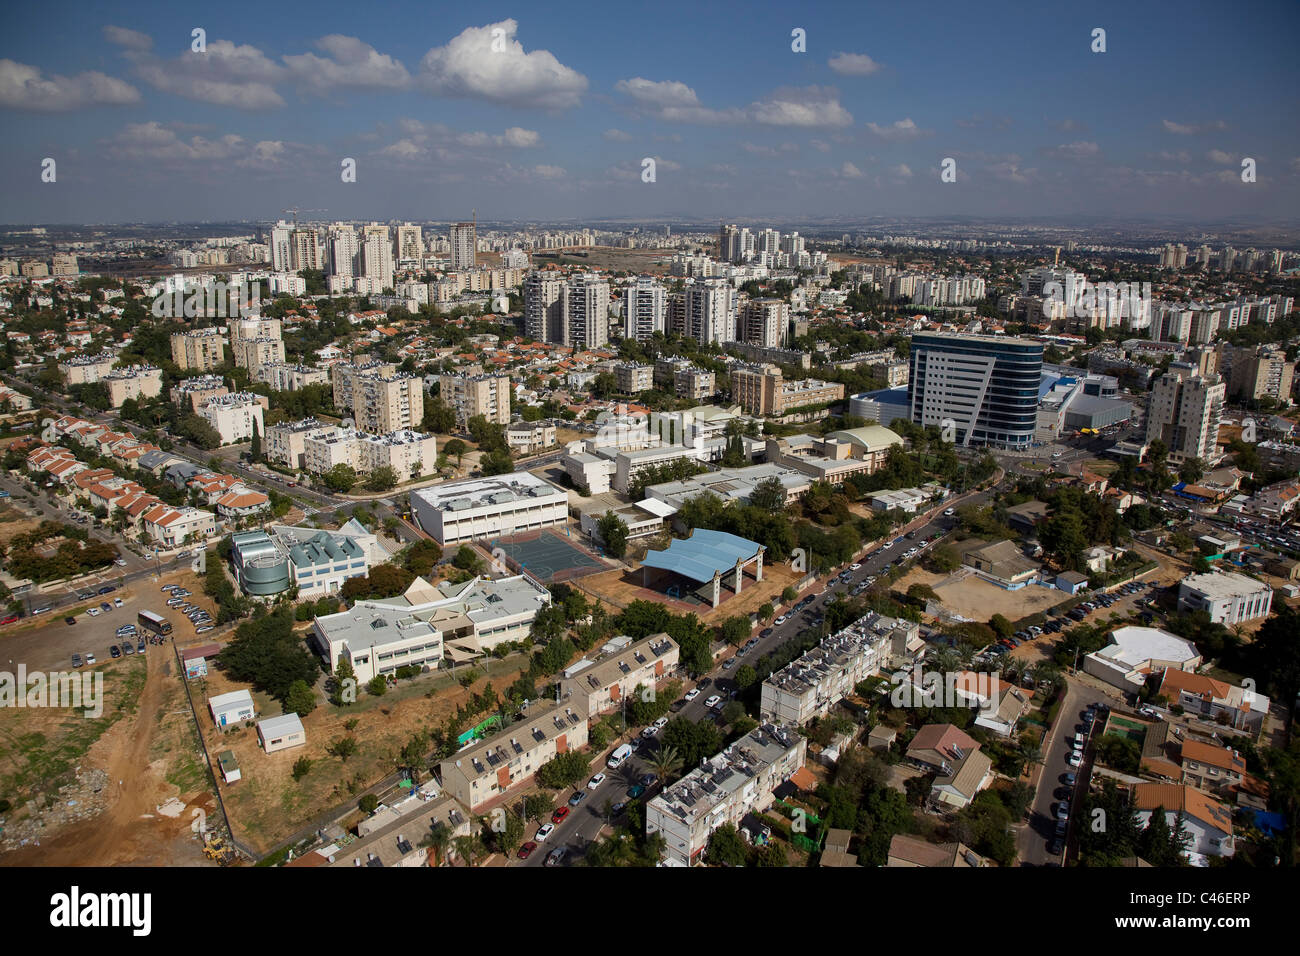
(501, 505)
(200, 349)
(813, 683)
(529, 438)
(604, 684)
(235, 416)
(505, 762)
(134, 381)
(763, 390)
(281, 733)
(724, 789)
(316, 561)
(190, 393)
(381, 399)
(409, 453)
(85, 369)
(474, 395)
(1136, 652)
(284, 377)
(732, 484)
(1227, 597)
(633, 378)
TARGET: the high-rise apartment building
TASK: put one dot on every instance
(472, 395)
(343, 249)
(463, 237)
(305, 252)
(543, 309)
(644, 315)
(408, 243)
(585, 307)
(1261, 373)
(1184, 412)
(982, 388)
(709, 311)
(281, 247)
(763, 322)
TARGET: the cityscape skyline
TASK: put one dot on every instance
(556, 123)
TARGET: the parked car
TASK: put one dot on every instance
(105, 606)
(556, 856)
(43, 608)
(117, 602)
(76, 660)
(577, 798)
(559, 814)
(69, 620)
(527, 849)
(595, 782)
(546, 830)
(713, 701)
(692, 693)
(90, 658)
(10, 618)
(93, 611)
(128, 648)
(108, 589)
(206, 627)
(114, 651)
(1075, 759)
(140, 646)
(729, 663)
(635, 791)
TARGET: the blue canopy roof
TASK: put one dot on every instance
(703, 554)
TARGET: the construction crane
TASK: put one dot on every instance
(295, 210)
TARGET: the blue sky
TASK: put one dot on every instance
(557, 123)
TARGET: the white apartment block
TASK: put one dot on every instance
(645, 310)
(254, 353)
(1185, 412)
(585, 307)
(763, 322)
(543, 307)
(809, 686)
(410, 454)
(473, 395)
(529, 438)
(202, 349)
(286, 443)
(593, 687)
(460, 511)
(1227, 597)
(463, 237)
(488, 769)
(709, 311)
(234, 416)
(724, 789)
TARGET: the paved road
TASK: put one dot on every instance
(1034, 839)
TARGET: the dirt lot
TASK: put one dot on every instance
(978, 600)
(267, 805)
(143, 754)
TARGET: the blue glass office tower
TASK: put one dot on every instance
(982, 387)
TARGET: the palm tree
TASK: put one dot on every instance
(437, 839)
(468, 848)
(666, 762)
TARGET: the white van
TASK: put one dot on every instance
(617, 758)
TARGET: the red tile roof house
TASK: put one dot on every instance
(1209, 698)
(1212, 768)
(1207, 822)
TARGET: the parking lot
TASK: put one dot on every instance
(47, 642)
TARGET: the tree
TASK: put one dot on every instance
(381, 479)
(467, 559)
(255, 448)
(766, 612)
(340, 478)
(665, 761)
(613, 531)
(768, 495)
(563, 770)
(378, 685)
(343, 747)
(301, 699)
(266, 653)
(437, 839)
(368, 803)
(455, 449)
(735, 629)
(726, 848)
(1191, 471)
(538, 806)
(344, 684)
(301, 767)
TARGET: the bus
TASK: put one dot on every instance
(152, 622)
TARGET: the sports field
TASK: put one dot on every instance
(547, 556)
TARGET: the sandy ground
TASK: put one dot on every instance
(131, 831)
(978, 600)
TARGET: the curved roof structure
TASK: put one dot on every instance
(703, 554)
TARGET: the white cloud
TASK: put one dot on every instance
(128, 39)
(820, 145)
(24, 87)
(617, 136)
(241, 77)
(153, 142)
(350, 63)
(1079, 150)
(898, 132)
(675, 102)
(801, 106)
(849, 171)
(1220, 157)
(901, 171)
(853, 64)
(468, 67)
(549, 172)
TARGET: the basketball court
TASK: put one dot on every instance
(546, 556)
